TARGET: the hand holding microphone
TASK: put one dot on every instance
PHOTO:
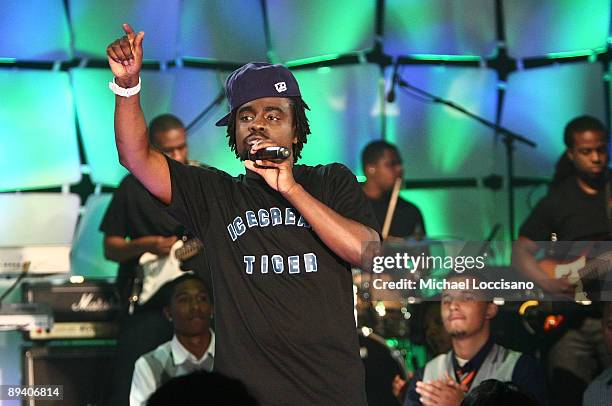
(273, 163)
(270, 153)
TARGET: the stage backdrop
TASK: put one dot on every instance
(530, 66)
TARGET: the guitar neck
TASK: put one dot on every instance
(594, 267)
(189, 249)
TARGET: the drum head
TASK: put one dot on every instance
(381, 366)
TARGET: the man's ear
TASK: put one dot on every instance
(167, 314)
(370, 169)
(491, 311)
(570, 154)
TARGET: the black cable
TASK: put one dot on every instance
(417, 96)
(217, 100)
(26, 267)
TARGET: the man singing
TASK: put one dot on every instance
(280, 239)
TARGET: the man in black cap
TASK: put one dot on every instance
(281, 238)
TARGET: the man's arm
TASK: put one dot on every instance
(119, 249)
(148, 165)
(143, 383)
(523, 258)
(345, 237)
(342, 235)
(412, 397)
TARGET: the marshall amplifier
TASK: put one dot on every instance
(80, 310)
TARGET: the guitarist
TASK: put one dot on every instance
(135, 224)
(575, 209)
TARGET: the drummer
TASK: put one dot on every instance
(382, 165)
(384, 172)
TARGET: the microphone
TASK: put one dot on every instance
(270, 153)
(391, 94)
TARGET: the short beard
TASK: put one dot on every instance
(457, 333)
(595, 181)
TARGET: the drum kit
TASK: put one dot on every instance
(390, 338)
(400, 329)
(396, 330)
(382, 364)
(405, 321)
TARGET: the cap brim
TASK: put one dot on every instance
(224, 120)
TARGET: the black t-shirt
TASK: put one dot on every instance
(283, 300)
(132, 214)
(570, 213)
(407, 219)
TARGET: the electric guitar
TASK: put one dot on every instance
(584, 272)
(154, 271)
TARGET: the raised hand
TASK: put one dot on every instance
(125, 57)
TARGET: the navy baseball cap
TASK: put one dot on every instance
(256, 80)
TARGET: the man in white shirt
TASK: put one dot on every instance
(191, 349)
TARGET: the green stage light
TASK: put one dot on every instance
(439, 27)
(343, 116)
(555, 27)
(38, 141)
(305, 29)
(539, 102)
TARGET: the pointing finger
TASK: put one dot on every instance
(128, 29)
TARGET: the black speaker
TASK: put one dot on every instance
(83, 371)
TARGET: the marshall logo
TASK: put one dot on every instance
(89, 303)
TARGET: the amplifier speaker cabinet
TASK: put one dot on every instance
(83, 371)
(80, 310)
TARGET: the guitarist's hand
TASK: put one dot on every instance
(559, 286)
(159, 245)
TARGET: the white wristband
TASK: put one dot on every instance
(123, 92)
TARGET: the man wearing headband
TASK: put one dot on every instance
(280, 239)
